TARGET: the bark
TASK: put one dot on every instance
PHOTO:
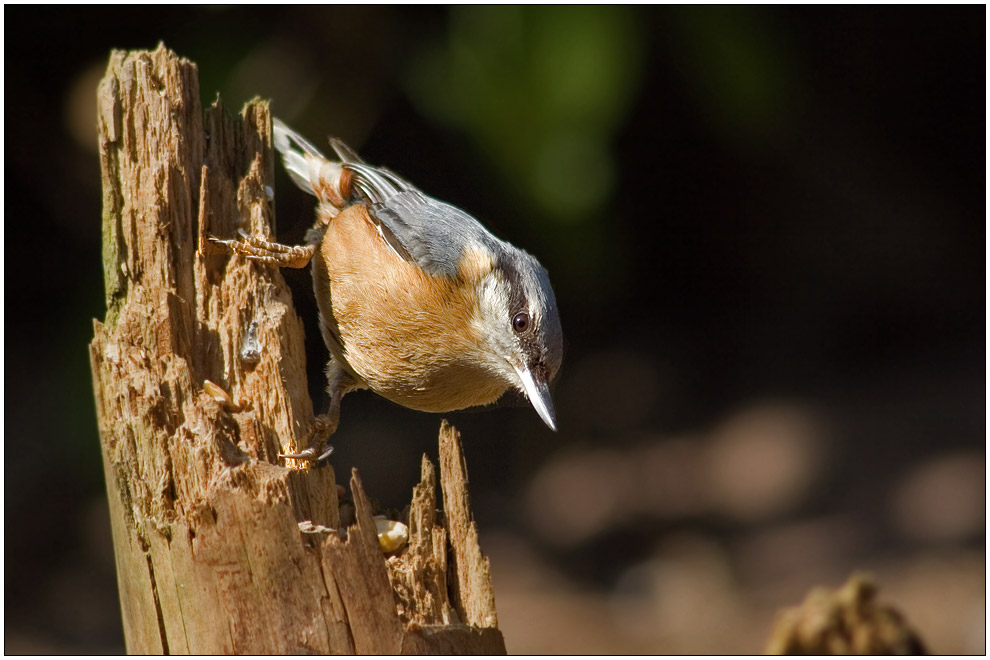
(220, 547)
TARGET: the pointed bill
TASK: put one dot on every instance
(538, 393)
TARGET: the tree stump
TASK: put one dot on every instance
(200, 381)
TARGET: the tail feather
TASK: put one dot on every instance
(344, 153)
(312, 172)
(306, 165)
(284, 137)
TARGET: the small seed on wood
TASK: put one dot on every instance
(392, 535)
(217, 393)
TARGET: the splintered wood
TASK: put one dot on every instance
(419, 576)
(200, 381)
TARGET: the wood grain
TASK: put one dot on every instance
(205, 518)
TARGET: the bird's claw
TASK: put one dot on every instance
(322, 427)
(310, 454)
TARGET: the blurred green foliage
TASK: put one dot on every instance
(541, 91)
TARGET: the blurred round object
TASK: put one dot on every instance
(780, 560)
(276, 68)
(671, 479)
(943, 500)
(679, 592)
(763, 461)
(575, 497)
(79, 109)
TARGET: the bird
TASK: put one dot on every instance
(417, 300)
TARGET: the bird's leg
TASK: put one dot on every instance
(339, 383)
(269, 252)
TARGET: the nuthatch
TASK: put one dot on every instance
(418, 301)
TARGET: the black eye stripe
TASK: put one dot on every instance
(517, 297)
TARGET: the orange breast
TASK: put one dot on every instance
(406, 333)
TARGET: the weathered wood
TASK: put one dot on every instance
(418, 576)
(220, 548)
(845, 621)
(443, 617)
(472, 588)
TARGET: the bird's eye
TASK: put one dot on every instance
(520, 322)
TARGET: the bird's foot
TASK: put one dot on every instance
(319, 448)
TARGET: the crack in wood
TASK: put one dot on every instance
(158, 606)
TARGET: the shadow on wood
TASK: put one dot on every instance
(211, 557)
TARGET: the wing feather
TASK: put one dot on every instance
(419, 228)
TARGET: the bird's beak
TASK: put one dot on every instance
(538, 393)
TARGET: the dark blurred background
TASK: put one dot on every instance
(766, 231)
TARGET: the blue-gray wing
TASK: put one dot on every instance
(420, 228)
